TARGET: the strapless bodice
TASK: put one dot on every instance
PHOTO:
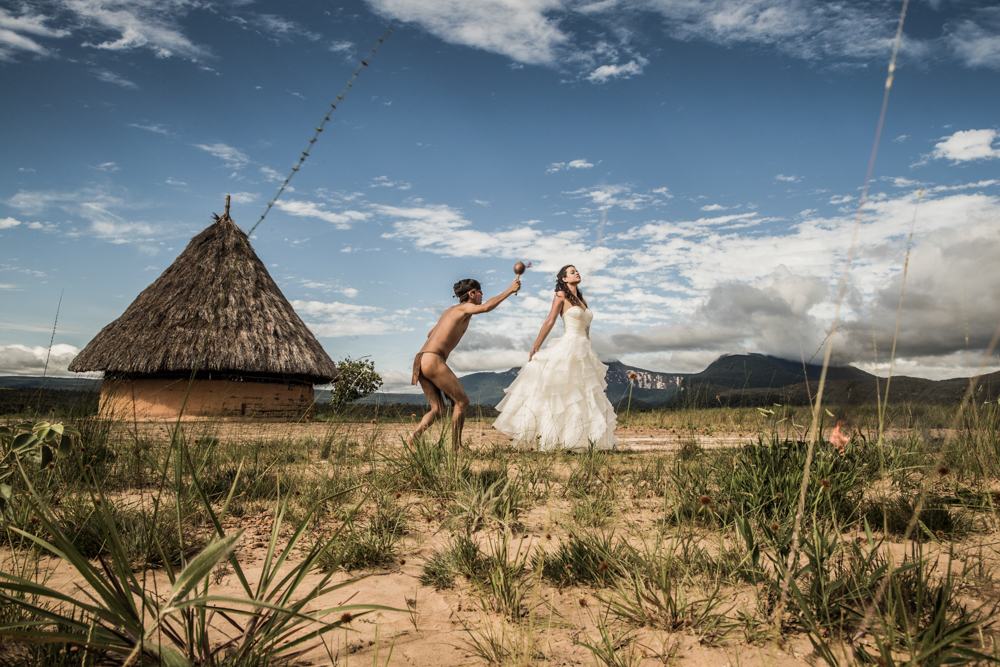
(577, 321)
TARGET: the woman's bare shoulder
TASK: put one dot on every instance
(560, 295)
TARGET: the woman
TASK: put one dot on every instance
(557, 400)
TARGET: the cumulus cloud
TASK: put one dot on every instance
(308, 209)
(24, 360)
(7, 223)
(618, 195)
(967, 145)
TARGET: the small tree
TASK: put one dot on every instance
(357, 380)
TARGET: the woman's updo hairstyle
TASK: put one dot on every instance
(561, 286)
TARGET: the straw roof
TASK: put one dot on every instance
(256, 331)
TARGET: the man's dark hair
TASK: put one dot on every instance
(463, 287)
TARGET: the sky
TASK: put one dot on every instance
(700, 162)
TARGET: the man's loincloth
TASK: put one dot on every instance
(416, 366)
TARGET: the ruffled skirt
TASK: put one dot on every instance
(557, 400)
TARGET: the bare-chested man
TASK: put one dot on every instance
(429, 367)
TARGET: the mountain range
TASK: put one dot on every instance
(736, 379)
(733, 379)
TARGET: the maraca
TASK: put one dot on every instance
(519, 269)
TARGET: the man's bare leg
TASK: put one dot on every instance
(436, 372)
(437, 410)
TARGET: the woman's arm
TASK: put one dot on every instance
(550, 321)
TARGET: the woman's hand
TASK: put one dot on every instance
(533, 352)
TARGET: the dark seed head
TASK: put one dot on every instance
(402, 561)
(940, 534)
(825, 483)
(944, 471)
(398, 495)
(602, 566)
(705, 501)
(779, 495)
(346, 617)
(775, 527)
(583, 602)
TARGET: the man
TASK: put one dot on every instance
(429, 367)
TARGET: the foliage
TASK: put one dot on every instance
(357, 379)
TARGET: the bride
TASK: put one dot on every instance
(557, 400)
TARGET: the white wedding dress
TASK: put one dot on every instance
(557, 400)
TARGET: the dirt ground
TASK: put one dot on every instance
(433, 628)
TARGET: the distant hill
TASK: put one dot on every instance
(77, 383)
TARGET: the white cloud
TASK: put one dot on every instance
(615, 71)
(156, 128)
(110, 77)
(17, 32)
(335, 319)
(714, 207)
(518, 29)
(244, 197)
(7, 223)
(23, 360)
(976, 40)
(101, 207)
(281, 28)
(384, 182)
(271, 174)
(605, 196)
(967, 145)
(135, 24)
(175, 183)
(341, 47)
(308, 209)
(233, 157)
(107, 167)
(788, 179)
(572, 164)
(841, 199)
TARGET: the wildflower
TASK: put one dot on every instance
(374, 421)
(52, 409)
(632, 375)
(705, 500)
(940, 534)
(602, 566)
(825, 483)
(779, 495)
(297, 492)
(346, 617)
(413, 415)
(583, 602)
(548, 536)
(398, 495)
(775, 527)
(51, 465)
(838, 439)
(944, 471)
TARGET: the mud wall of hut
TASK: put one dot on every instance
(145, 399)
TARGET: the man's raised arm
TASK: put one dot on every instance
(487, 306)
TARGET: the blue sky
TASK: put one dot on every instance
(723, 143)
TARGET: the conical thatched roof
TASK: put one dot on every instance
(256, 332)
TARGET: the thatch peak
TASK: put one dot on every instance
(256, 330)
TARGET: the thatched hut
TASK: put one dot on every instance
(215, 315)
